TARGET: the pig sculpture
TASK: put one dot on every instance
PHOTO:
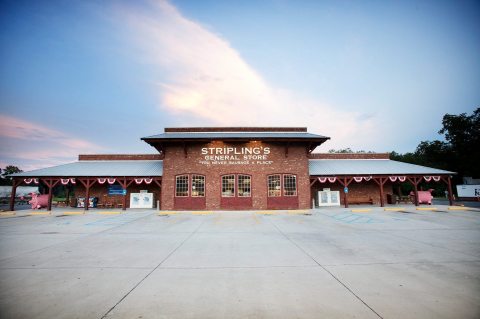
(424, 197)
(38, 201)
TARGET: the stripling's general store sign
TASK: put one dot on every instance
(235, 155)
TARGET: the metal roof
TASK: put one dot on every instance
(99, 168)
(329, 167)
(236, 135)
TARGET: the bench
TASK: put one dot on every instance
(360, 200)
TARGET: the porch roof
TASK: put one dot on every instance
(333, 167)
(99, 168)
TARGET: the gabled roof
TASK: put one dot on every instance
(332, 167)
(235, 134)
(99, 168)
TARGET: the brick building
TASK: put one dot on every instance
(233, 169)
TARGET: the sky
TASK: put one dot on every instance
(80, 77)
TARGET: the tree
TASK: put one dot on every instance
(10, 169)
(462, 132)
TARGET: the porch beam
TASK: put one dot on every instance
(15, 184)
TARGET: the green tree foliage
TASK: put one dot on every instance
(462, 132)
(10, 169)
(460, 152)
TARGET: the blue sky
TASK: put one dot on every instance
(95, 76)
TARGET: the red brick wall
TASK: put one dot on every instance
(355, 191)
(175, 163)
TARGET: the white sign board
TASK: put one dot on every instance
(468, 190)
(141, 200)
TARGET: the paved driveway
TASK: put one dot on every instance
(334, 263)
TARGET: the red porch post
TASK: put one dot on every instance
(381, 182)
(346, 181)
(88, 182)
(125, 183)
(50, 183)
(450, 192)
(15, 184)
(415, 181)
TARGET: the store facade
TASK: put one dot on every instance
(237, 168)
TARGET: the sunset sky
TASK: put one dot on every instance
(96, 76)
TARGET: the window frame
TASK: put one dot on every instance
(187, 185)
(229, 176)
(284, 189)
(270, 192)
(192, 177)
(239, 177)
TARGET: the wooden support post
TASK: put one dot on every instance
(415, 181)
(50, 183)
(88, 182)
(15, 184)
(450, 192)
(381, 182)
(125, 183)
(67, 197)
(345, 183)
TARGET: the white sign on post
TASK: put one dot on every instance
(468, 190)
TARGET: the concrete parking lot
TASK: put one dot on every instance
(324, 263)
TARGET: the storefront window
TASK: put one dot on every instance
(289, 185)
(181, 186)
(244, 186)
(198, 186)
(274, 187)
(228, 186)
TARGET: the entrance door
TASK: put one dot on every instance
(328, 198)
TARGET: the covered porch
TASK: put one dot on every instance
(372, 181)
(107, 183)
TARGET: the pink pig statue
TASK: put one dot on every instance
(424, 197)
(38, 201)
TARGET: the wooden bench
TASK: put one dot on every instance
(360, 200)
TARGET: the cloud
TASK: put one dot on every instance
(201, 74)
(31, 145)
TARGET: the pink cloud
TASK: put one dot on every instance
(31, 145)
(203, 75)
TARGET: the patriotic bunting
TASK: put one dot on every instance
(138, 180)
(28, 180)
(332, 179)
(64, 181)
(101, 180)
(436, 178)
(148, 180)
(322, 179)
(111, 180)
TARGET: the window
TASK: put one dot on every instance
(243, 185)
(282, 185)
(228, 186)
(181, 186)
(198, 186)
(289, 185)
(274, 187)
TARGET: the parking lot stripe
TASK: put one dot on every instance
(458, 208)
(427, 208)
(39, 213)
(361, 210)
(74, 213)
(109, 213)
(395, 209)
(7, 213)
